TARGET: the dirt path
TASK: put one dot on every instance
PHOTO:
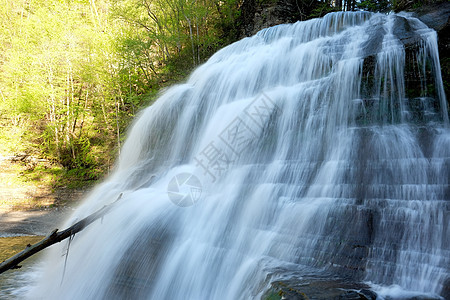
(33, 222)
(20, 192)
(31, 207)
(14, 192)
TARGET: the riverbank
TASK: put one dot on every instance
(32, 205)
(30, 183)
(32, 222)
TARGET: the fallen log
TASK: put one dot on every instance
(54, 237)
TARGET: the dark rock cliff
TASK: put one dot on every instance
(437, 16)
(257, 15)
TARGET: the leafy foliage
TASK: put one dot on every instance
(375, 5)
(74, 73)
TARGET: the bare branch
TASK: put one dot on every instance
(55, 237)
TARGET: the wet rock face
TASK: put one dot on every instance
(353, 238)
(329, 289)
(260, 15)
(445, 293)
(421, 96)
(437, 16)
(320, 289)
(405, 31)
(257, 15)
(135, 275)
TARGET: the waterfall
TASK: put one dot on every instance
(317, 147)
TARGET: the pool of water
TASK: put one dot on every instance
(15, 283)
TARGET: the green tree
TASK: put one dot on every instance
(375, 5)
(56, 75)
(73, 73)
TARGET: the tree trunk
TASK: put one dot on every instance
(55, 237)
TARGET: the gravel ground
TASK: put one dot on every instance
(33, 222)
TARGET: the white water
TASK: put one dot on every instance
(305, 161)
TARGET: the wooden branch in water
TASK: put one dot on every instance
(54, 237)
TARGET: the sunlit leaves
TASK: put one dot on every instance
(56, 63)
(76, 71)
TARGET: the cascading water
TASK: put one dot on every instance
(301, 149)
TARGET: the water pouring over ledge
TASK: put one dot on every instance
(318, 147)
